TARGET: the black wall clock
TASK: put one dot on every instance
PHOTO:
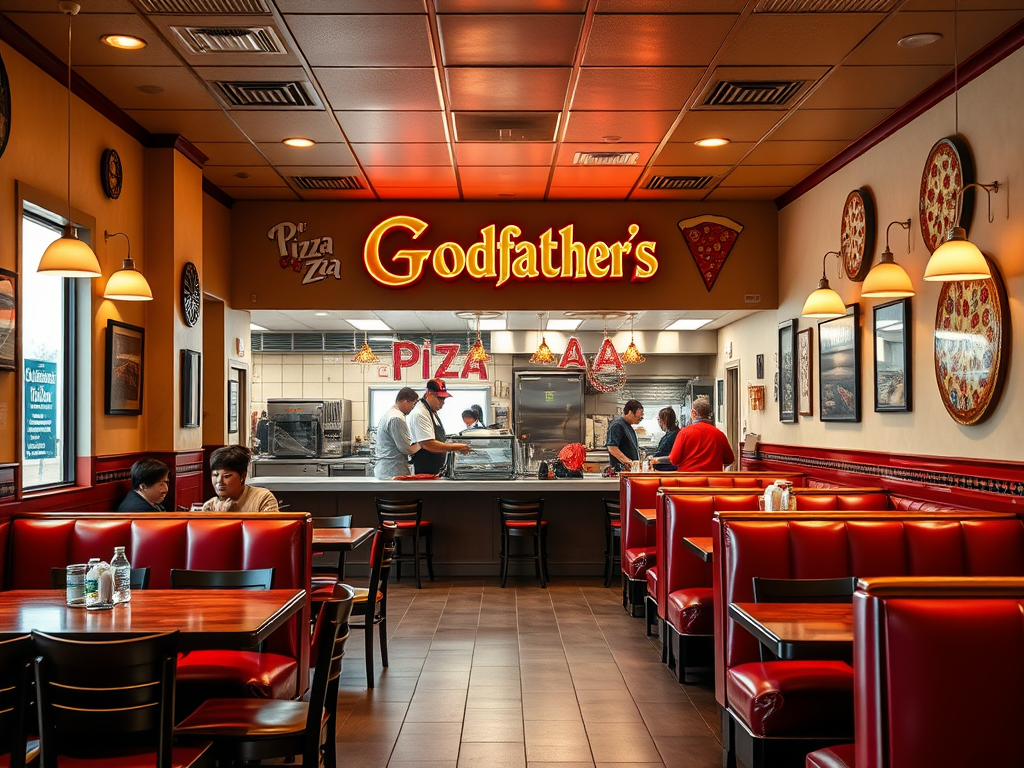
(191, 295)
(5, 107)
(110, 173)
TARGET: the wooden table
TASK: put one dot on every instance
(649, 516)
(340, 540)
(702, 546)
(206, 618)
(792, 629)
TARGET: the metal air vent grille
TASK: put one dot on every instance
(267, 95)
(678, 182)
(203, 6)
(605, 158)
(229, 39)
(757, 94)
(824, 6)
(308, 342)
(327, 182)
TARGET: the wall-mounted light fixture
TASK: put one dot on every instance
(958, 258)
(825, 302)
(127, 284)
(887, 279)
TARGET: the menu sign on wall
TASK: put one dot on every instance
(40, 439)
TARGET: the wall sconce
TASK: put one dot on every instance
(958, 258)
(127, 284)
(887, 279)
(824, 302)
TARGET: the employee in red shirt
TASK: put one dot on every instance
(701, 447)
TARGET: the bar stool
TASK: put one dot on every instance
(408, 517)
(521, 519)
(612, 539)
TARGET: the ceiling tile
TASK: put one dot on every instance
(512, 40)
(735, 125)
(795, 152)
(94, 6)
(567, 151)
(872, 87)
(351, 6)
(496, 176)
(668, 194)
(628, 126)
(51, 30)
(166, 22)
(181, 90)
(400, 127)
(255, 176)
(691, 154)
(418, 193)
(379, 88)
(230, 153)
(768, 39)
(402, 154)
(947, 5)
(196, 126)
(504, 153)
(656, 40)
(767, 175)
(362, 41)
(382, 176)
(269, 127)
(596, 175)
(260, 193)
(670, 6)
(321, 154)
(511, 6)
(588, 193)
(492, 89)
(642, 88)
(829, 124)
(746, 193)
(336, 194)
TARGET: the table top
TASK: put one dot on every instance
(649, 516)
(286, 485)
(702, 546)
(789, 628)
(206, 618)
(340, 539)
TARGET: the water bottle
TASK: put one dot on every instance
(92, 582)
(122, 576)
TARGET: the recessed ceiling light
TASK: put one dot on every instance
(688, 324)
(611, 139)
(713, 141)
(919, 40)
(494, 324)
(321, 314)
(368, 325)
(563, 325)
(151, 90)
(298, 141)
(254, 327)
(242, 175)
(124, 42)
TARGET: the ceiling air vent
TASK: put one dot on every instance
(275, 342)
(506, 126)
(678, 182)
(824, 6)
(308, 342)
(327, 182)
(267, 95)
(605, 158)
(203, 6)
(752, 94)
(229, 39)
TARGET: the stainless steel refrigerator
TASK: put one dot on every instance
(547, 412)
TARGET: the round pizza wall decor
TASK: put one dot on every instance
(857, 234)
(111, 174)
(191, 295)
(5, 107)
(972, 328)
(946, 172)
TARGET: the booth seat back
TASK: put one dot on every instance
(913, 706)
(795, 545)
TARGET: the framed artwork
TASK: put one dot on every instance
(787, 372)
(8, 319)
(972, 327)
(191, 376)
(125, 363)
(839, 367)
(805, 371)
(720, 391)
(232, 406)
(760, 367)
(891, 330)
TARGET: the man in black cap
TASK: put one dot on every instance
(426, 429)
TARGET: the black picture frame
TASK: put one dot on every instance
(124, 367)
(891, 323)
(759, 361)
(191, 387)
(805, 372)
(839, 367)
(8, 320)
(232, 406)
(787, 372)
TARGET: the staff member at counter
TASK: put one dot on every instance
(622, 443)
(426, 429)
(394, 446)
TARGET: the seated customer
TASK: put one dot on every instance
(229, 466)
(149, 487)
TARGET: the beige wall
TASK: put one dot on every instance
(990, 120)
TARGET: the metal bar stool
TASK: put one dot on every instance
(408, 517)
(521, 519)
(612, 539)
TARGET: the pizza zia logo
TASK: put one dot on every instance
(710, 240)
(314, 255)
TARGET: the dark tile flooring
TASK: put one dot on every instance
(483, 677)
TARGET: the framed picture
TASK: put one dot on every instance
(805, 371)
(787, 372)
(760, 367)
(8, 320)
(191, 375)
(720, 391)
(232, 406)
(125, 363)
(892, 358)
(839, 367)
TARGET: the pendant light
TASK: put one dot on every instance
(69, 256)
(127, 284)
(632, 355)
(543, 355)
(887, 279)
(477, 352)
(365, 355)
(825, 302)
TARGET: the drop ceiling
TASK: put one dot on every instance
(390, 84)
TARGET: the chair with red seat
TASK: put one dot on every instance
(612, 539)
(408, 517)
(524, 519)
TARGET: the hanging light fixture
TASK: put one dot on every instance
(127, 284)
(543, 355)
(68, 256)
(365, 355)
(632, 356)
(477, 351)
(887, 279)
(825, 302)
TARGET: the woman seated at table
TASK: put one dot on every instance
(149, 487)
(229, 466)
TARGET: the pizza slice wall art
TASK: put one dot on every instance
(710, 240)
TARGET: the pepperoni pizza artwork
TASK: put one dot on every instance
(857, 234)
(946, 172)
(710, 240)
(971, 329)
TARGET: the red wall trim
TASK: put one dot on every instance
(217, 193)
(180, 143)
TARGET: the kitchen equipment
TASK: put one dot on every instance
(491, 457)
(547, 411)
(309, 427)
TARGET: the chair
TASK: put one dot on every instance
(249, 729)
(107, 703)
(322, 571)
(408, 516)
(15, 701)
(375, 611)
(59, 578)
(255, 578)
(612, 539)
(521, 519)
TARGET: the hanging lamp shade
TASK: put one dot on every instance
(957, 259)
(69, 257)
(478, 353)
(824, 302)
(543, 355)
(887, 280)
(631, 355)
(128, 284)
(365, 355)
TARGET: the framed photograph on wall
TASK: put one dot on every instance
(125, 363)
(891, 330)
(720, 391)
(191, 376)
(8, 320)
(759, 365)
(839, 367)
(232, 406)
(805, 371)
(787, 372)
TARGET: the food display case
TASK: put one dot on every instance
(492, 457)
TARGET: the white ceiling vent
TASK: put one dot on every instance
(678, 182)
(258, 94)
(229, 39)
(824, 6)
(203, 6)
(506, 126)
(327, 182)
(773, 93)
(605, 158)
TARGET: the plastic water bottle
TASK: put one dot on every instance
(122, 576)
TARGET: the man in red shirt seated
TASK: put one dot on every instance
(701, 447)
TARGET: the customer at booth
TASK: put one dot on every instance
(426, 429)
(229, 466)
(394, 446)
(149, 487)
(622, 443)
(701, 447)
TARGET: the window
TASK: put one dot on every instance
(48, 355)
(382, 398)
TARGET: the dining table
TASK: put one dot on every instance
(648, 515)
(701, 546)
(340, 540)
(798, 630)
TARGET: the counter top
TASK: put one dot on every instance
(373, 485)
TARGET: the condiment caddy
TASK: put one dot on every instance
(98, 585)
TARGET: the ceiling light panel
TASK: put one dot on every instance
(557, 324)
(368, 324)
(688, 324)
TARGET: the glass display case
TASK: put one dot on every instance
(492, 457)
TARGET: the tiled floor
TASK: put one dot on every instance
(483, 677)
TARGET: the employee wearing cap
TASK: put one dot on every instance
(426, 429)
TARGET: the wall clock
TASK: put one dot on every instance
(191, 295)
(5, 107)
(110, 173)
(857, 234)
(946, 172)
